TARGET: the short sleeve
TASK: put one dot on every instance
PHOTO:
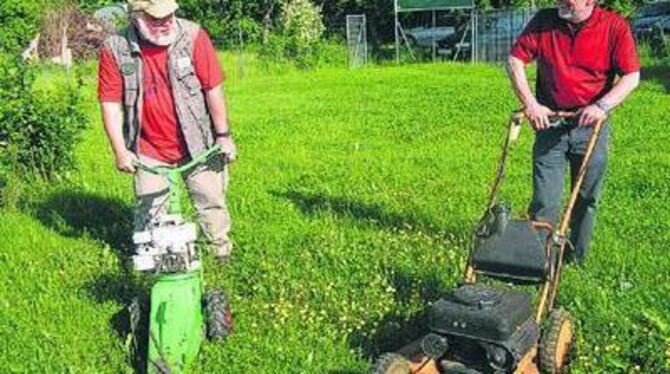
(206, 65)
(624, 52)
(527, 44)
(110, 81)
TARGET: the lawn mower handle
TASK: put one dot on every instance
(166, 170)
(561, 114)
(514, 128)
(173, 174)
(555, 120)
(549, 295)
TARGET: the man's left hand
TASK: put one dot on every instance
(590, 115)
(228, 148)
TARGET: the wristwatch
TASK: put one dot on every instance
(223, 134)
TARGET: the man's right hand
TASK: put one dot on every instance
(538, 115)
(124, 162)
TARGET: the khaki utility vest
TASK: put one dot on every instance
(192, 114)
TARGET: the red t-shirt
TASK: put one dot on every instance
(576, 63)
(160, 137)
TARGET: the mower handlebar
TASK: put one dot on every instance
(519, 116)
(164, 170)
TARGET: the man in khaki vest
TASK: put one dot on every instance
(160, 88)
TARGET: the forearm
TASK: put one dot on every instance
(216, 105)
(622, 88)
(112, 118)
(517, 75)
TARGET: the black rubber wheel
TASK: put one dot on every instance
(161, 367)
(392, 363)
(556, 342)
(219, 319)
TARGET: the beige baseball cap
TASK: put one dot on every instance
(155, 8)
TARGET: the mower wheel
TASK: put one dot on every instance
(392, 363)
(556, 342)
(161, 367)
(219, 319)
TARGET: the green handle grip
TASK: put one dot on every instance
(165, 170)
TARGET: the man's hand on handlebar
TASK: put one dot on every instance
(125, 160)
(590, 115)
(228, 148)
(538, 116)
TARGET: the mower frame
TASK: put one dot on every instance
(176, 321)
(411, 359)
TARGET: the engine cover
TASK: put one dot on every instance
(481, 313)
(167, 246)
(487, 329)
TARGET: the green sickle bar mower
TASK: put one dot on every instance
(179, 316)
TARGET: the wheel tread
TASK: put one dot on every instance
(549, 342)
(219, 320)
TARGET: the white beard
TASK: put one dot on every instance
(161, 40)
(566, 13)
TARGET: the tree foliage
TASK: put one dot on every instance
(254, 20)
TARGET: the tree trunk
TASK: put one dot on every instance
(267, 19)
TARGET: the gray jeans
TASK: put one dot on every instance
(555, 149)
(206, 185)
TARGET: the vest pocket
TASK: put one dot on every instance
(188, 80)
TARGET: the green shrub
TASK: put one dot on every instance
(302, 27)
(331, 52)
(299, 36)
(20, 23)
(274, 50)
(40, 128)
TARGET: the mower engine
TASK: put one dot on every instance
(482, 330)
(167, 246)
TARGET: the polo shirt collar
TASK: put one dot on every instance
(593, 19)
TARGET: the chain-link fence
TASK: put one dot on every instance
(495, 32)
(465, 35)
(357, 40)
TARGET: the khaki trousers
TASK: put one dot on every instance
(206, 185)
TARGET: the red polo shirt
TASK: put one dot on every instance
(161, 137)
(576, 63)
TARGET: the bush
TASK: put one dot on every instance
(20, 23)
(302, 27)
(331, 52)
(39, 128)
(299, 39)
(274, 50)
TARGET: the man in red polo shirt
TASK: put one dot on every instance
(587, 63)
(160, 89)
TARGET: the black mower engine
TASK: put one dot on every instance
(477, 329)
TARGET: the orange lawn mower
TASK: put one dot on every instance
(480, 328)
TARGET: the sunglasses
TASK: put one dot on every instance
(153, 21)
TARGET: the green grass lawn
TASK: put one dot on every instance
(353, 200)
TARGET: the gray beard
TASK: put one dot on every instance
(566, 14)
(161, 41)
